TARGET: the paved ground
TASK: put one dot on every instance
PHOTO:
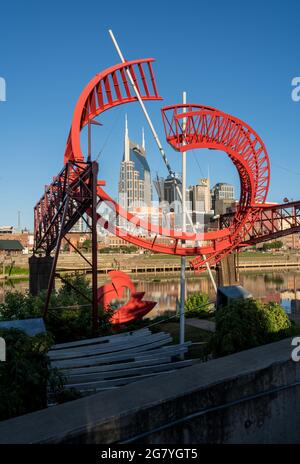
(204, 324)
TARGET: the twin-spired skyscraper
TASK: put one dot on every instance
(135, 178)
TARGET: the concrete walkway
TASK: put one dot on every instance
(203, 324)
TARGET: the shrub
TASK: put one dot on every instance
(248, 323)
(198, 305)
(272, 245)
(20, 306)
(65, 395)
(119, 249)
(87, 245)
(25, 373)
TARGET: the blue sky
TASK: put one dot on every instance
(237, 56)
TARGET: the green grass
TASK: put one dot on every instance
(259, 255)
(159, 256)
(13, 280)
(192, 334)
(16, 270)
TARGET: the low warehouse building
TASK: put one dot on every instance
(10, 247)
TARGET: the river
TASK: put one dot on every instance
(280, 286)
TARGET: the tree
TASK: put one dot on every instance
(87, 245)
(69, 314)
(25, 374)
(66, 247)
(276, 245)
(198, 305)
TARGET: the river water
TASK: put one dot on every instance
(280, 286)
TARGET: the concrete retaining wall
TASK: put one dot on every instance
(249, 397)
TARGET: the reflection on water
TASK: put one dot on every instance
(12, 285)
(281, 287)
(167, 291)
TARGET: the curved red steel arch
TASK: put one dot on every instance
(205, 127)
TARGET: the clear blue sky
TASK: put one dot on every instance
(237, 56)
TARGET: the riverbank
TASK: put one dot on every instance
(155, 263)
(281, 285)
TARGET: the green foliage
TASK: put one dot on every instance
(21, 306)
(248, 323)
(198, 305)
(106, 250)
(128, 249)
(75, 290)
(120, 249)
(68, 394)
(272, 245)
(66, 247)
(25, 373)
(277, 321)
(69, 315)
(69, 324)
(87, 245)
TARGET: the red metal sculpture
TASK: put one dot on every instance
(134, 309)
(204, 127)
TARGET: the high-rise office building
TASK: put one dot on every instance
(223, 197)
(135, 178)
(199, 196)
(166, 188)
(224, 191)
(199, 202)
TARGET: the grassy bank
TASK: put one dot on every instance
(14, 272)
(197, 336)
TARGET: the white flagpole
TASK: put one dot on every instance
(156, 138)
(183, 258)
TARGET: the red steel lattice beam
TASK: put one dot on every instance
(207, 127)
(272, 222)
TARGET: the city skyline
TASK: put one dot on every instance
(135, 190)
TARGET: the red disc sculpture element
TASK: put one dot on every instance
(204, 127)
(134, 309)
